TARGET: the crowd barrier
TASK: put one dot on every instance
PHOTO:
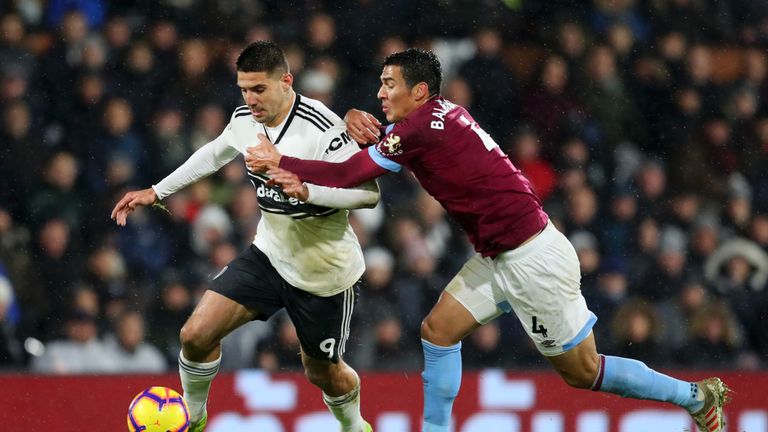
(254, 401)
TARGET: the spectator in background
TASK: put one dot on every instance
(280, 352)
(651, 184)
(549, 104)
(145, 246)
(14, 55)
(80, 352)
(391, 350)
(128, 350)
(665, 279)
(21, 156)
(210, 120)
(585, 244)
(698, 73)
(118, 142)
(677, 313)
(610, 292)
(58, 195)
(166, 315)
(492, 83)
(581, 210)
(167, 140)
(617, 228)
(738, 207)
(106, 272)
(572, 42)
(714, 339)
(80, 127)
(738, 271)
(645, 247)
(636, 329)
(484, 348)
(610, 105)
(61, 63)
(525, 153)
(138, 79)
(58, 265)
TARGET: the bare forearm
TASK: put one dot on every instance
(355, 170)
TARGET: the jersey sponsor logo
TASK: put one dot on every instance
(338, 142)
(390, 146)
(273, 200)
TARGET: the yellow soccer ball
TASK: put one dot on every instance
(158, 409)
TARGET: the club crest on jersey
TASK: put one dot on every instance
(390, 146)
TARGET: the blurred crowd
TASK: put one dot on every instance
(642, 124)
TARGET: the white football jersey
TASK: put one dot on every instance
(311, 246)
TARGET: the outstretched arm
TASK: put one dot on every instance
(207, 160)
(353, 171)
(365, 195)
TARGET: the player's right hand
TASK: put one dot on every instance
(362, 127)
(130, 202)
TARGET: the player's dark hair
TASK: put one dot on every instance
(418, 65)
(262, 56)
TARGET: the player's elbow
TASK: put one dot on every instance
(372, 201)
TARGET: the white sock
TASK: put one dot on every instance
(196, 380)
(346, 409)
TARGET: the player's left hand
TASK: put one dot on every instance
(263, 156)
(362, 126)
(289, 182)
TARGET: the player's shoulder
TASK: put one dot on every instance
(240, 112)
(240, 116)
(316, 113)
(430, 117)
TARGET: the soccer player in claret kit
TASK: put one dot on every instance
(305, 257)
(523, 263)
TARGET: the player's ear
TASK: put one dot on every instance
(420, 91)
(287, 79)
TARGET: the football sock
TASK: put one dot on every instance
(196, 380)
(633, 379)
(442, 379)
(346, 408)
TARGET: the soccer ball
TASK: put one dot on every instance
(158, 409)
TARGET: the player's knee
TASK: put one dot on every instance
(318, 374)
(430, 331)
(196, 341)
(581, 375)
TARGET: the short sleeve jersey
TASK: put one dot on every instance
(462, 167)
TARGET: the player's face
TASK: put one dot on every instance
(267, 95)
(397, 98)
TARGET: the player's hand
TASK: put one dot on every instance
(263, 156)
(130, 202)
(289, 182)
(362, 127)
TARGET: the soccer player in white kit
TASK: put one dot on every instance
(305, 257)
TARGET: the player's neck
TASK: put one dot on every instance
(284, 111)
(417, 106)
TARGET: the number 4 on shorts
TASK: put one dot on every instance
(537, 328)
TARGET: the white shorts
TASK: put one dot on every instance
(540, 281)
